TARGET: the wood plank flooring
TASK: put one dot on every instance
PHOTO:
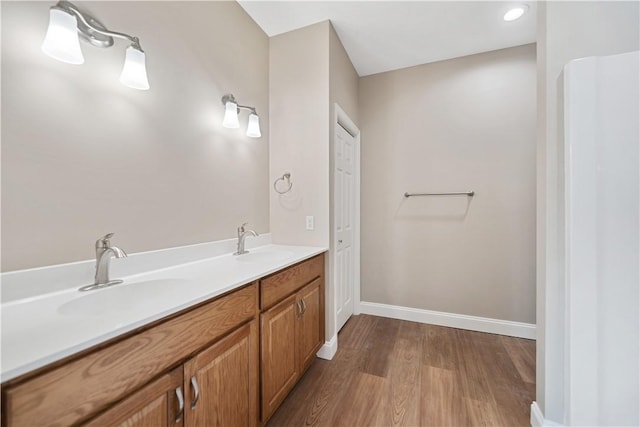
(395, 373)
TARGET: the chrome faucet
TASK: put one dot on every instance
(242, 234)
(104, 252)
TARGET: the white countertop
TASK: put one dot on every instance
(40, 330)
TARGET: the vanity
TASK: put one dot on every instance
(224, 355)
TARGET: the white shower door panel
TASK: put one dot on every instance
(602, 240)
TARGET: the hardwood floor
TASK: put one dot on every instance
(396, 373)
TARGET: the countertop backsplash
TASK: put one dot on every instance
(22, 284)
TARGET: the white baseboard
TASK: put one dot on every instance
(460, 321)
(537, 417)
(329, 349)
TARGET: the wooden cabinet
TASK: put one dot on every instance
(200, 367)
(222, 334)
(160, 404)
(280, 362)
(222, 382)
(309, 338)
(292, 331)
(218, 387)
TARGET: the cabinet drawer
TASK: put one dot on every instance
(276, 287)
(76, 390)
(156, 404)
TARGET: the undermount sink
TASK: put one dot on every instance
(264, 256)
(122, 298)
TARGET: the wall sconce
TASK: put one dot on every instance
(67, 23)
(232, 109)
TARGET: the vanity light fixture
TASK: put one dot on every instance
(67, 24)
(231, 111)
(515, 12)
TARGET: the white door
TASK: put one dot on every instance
(344, 211)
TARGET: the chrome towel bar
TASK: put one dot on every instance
(460, 193)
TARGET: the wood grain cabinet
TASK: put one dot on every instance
(216, 388)
(310, 323)
(222, 382)
(159, 404)
(198, 368)
(292, 330)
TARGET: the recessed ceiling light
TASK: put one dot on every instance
(515, 12)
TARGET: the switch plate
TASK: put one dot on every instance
(310, 222)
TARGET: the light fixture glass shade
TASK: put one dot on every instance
(61, 41)
(253, 128)
(231, 116)
(134, 71)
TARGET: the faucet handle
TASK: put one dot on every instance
(104, 241)
(241, 228)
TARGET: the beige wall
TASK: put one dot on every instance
(566, 31)
(309, 72)
(343, 79)
(83, 155)
(457, 125)
(299, 108)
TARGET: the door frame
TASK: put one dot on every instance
(341, 118)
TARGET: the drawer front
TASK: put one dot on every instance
(74, 391)
(155, 405)
(276, 287)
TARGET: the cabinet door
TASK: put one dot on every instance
(161, 403)
(279, 357)
(222, 382)
(310, 331)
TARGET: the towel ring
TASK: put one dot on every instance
(287, 178)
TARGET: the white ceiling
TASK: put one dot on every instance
(387, 35)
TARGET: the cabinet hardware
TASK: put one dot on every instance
(196, 392)
(180, 404)
(299, 313)
(304, 307)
